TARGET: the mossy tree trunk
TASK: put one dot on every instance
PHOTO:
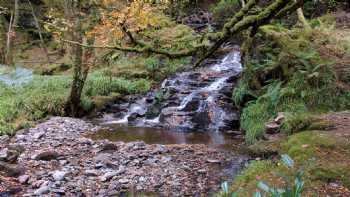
(72, 12)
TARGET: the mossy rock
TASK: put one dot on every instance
(264, 149)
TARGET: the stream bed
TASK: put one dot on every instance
(174, 141)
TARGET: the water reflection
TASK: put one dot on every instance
(164, 136)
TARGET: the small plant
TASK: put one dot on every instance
(293, 189)
(152, 65)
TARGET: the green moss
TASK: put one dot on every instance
(331, 174)
(294, 73)
(303, 146)
(245, 183)
(264, 149)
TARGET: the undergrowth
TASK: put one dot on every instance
(301, 72)
(46, 95)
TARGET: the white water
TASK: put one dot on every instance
(229, 66)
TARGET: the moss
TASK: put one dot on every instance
(331, 174)
(264, 149)
(303, 146)
(245, 183)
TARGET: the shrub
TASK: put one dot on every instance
(295, 75)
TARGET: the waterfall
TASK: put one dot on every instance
(197, 100)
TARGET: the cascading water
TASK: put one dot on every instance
(190, 101)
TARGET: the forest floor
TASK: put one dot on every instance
(323, 156)
(56, 158)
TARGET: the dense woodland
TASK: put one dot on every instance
(76, 58)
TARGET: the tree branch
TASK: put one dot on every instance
(143, 49)
(255, 21)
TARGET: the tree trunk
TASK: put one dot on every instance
(43, 46)
(302, 18)
(2, 39)
(11, 34)
(73, 105)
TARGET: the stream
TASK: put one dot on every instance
(189, 108)
(174, 141)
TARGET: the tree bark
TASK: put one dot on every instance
(73, 105)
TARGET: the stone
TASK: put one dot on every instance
(272, 128)
(47, 155)
(91, 173)
(42, 190)
(213, 161)
(124, 181)
(38, 135)
(11, 153)
(4, 139)
(109, 147)
(107, 176)
(23, 179)
(280, 117)
(59, 175)
(11, 170)
(231, 132)
(165, 159)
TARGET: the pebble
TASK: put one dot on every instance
(107, 176)
(42, 190)
(124, 181)
(23, 179)
(59, 175)
(65, 162)
(91, 172)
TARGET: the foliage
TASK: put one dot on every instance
(224, 9)
(292, 189)
(296, 75)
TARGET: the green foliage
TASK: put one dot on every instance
(292, 177)
(295, 76)
(46, 95)
(224, 9)
(296, 122)
(292, 189)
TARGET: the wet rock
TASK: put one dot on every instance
(4, 139)
(109, 147)
(58, 191)
(272, 127)
(42, 190)
(47, 155)
(23, 179)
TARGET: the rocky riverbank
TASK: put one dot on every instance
(55, 158)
